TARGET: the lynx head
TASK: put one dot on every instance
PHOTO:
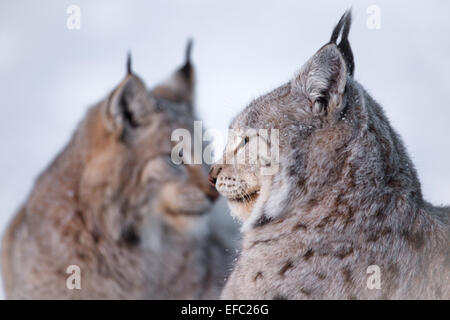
(127, 154)
(319, 114)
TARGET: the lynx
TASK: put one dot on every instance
(345, 200)
(114, 204)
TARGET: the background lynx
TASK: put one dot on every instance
(114, 204)
(346, 195)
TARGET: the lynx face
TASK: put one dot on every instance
(241, 183)
(302, 119)
(309, 112)
(129, 166)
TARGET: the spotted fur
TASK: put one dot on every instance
(346, 196)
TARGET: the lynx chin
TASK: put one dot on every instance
(346, 195)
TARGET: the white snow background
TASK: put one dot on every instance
(49, 75)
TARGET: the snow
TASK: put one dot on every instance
(49, 75)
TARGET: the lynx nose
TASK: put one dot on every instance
(213, 173)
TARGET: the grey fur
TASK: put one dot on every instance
(352, 199)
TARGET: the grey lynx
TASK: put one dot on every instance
(346, 195)
(114, 204)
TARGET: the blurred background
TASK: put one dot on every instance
(50, 74)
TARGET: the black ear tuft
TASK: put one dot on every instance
(129, 71)
(338, 28)
(343, 29)
(179, 87)
(186, 69)
(188, 50)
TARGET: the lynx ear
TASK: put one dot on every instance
(129, 105)
(180, 85)
(322, 79)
